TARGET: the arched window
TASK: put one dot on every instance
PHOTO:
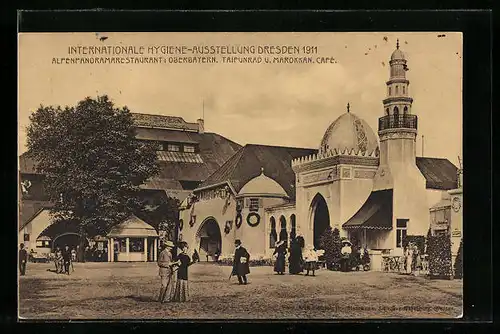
(389, 91)
(405, 110)
(396, 111)
(387, 111)
(396, 90)
(293, 230)
(283, 232)
(273, 235)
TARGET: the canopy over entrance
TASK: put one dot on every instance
(376, 213)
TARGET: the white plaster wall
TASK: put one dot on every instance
(456, 225)
(353, 194)
(204, 209)
(34, 228)
(277, 213)
(434, 196)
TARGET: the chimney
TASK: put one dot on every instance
(201, 125)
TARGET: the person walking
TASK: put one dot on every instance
(240, 262)
(181, 292)
(23, 259)
(280, 252)
(346, 254)
(311, 260)
(295, 259)
(165, 264)
(66, 254)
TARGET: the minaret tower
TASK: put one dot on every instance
(397, 130)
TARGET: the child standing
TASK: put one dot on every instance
(311, 259)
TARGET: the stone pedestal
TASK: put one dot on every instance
(375, 260)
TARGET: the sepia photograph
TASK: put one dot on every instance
(232, 176)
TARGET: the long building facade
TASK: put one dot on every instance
(372, 187)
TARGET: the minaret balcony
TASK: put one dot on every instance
(397, 122)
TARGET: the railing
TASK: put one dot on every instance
(397, 122)
(397, 264)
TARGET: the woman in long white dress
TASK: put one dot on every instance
(409, 258)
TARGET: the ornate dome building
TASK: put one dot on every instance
(349, 132)
(372, 188)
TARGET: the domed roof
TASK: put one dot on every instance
(349, 132)
(262, 185)
(398, 54)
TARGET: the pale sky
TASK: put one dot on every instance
(272, 104)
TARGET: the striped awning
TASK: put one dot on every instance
(375, 214)
(180, 157)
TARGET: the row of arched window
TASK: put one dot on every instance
(396, 111)
(283, 233)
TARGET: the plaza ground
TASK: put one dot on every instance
(129, 291)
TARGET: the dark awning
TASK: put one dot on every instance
(376, 213)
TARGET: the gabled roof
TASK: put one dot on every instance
(133, 227)
(439, 173)
(248, 161)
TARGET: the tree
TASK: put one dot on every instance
(459, 261)
(92, 163)
(332, 245)
(163, 214)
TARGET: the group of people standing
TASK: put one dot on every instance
(173, 263)
(64, 260)
(301, 258)
(413, 260)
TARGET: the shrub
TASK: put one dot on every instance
(439, 252)
(459, 261)
(332, 245)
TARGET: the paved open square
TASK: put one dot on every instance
(130, 291)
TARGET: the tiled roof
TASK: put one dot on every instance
(161, 184)
(175, 136)
(440, 173)
(163, 122)
(248, 161)
(180, 157)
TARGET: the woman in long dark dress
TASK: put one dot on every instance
(295, 258)
(181, 292)
(279, 265)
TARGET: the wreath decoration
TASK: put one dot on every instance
(238, 220)
(255, 223)
(181, 224)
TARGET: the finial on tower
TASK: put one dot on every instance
(397, 43)
(262, 170)
(348, 106)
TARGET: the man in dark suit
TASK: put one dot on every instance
(23, 259)
(66, 254)
(240, 263)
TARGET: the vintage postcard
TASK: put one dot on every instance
(236, 176)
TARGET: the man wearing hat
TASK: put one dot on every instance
(240, 263)
(166, 272)
(23, 258)
(346, 254)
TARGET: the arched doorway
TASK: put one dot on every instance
(320, 218)
(210, 240)
(71, 239)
